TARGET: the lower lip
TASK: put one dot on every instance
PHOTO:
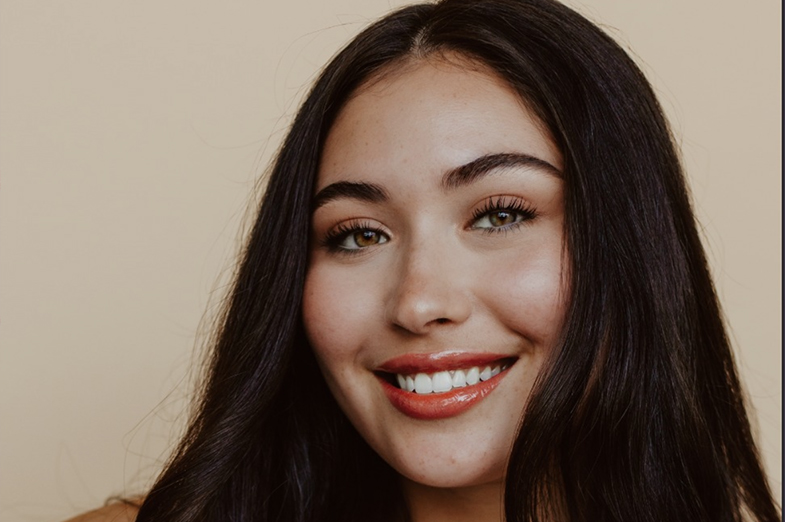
(433, 406)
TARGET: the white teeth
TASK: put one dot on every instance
(473, 376)
(458, 379)
(423, 383)
(442, 382)
(446, 380)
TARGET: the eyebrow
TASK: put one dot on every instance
(368, 192)
(452, 179)
(484, 165)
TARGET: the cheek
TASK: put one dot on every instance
(336, 315)
(530, 297)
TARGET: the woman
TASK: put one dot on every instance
(474, 290)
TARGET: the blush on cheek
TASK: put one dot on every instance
(333, 308)
(529, 300)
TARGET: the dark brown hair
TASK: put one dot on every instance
(640, 417)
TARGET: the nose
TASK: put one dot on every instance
(431, 289)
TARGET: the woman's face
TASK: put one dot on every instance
(437, 279)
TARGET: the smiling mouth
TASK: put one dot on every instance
(437, 386)
(446, 380)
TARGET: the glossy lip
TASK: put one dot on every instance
(412, 363)
(434, 406)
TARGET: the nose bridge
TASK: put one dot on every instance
(430, 286)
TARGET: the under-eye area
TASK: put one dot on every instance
(444, 381)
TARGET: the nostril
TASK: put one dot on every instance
(442, 320)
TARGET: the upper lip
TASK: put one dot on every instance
(412, 363)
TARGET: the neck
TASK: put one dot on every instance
(482, 503)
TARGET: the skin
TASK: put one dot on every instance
(437, 271)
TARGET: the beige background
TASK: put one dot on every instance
(131, 134)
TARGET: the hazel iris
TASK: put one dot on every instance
(366, 238)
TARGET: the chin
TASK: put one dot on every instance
(436, 479)
(449, 461)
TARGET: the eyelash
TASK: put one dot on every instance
(503, 203)
(332, 241)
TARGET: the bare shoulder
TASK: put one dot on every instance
(116, 512)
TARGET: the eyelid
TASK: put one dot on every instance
(339, 232)
(499, 203)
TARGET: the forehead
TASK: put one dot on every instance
(426, 117)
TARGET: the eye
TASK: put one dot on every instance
(499, 218)
(362, 239)
(351, 237)
(502, 213)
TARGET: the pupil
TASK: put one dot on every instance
(365, 238)
(500, 218)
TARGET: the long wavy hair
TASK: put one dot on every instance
(639, 416)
